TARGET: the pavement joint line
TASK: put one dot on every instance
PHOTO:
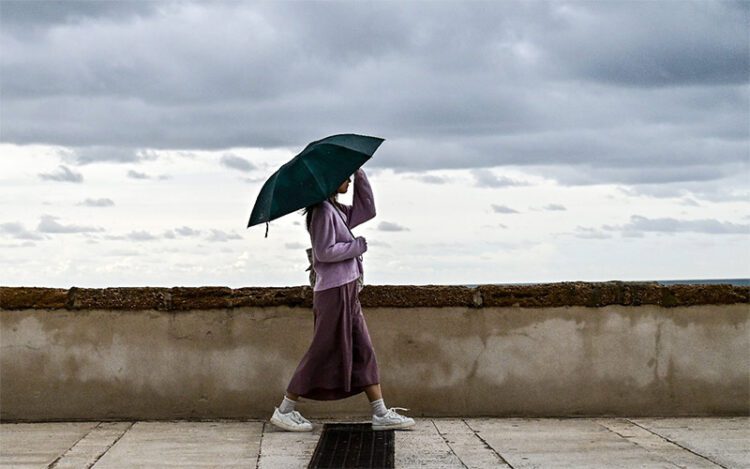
(476, 434)
(260, 445)
(57, 459)
(448, 444)
(132, 424)
(676, 444)
(636, 444)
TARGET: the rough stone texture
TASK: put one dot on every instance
(276, 296)
(33, 298)
(133, 298)
(407, 296)
(597, 294)
(591, 294)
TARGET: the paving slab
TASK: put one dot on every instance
(432, 443)
(565, 443)
(472, 451)
(656, 444)
(422, 446)
(86, 451)
(185, 444)
(35, 445)
(288, 450)
(723, 440)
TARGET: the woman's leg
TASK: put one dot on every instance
(373, 392)
(292, 396)
(376, 399)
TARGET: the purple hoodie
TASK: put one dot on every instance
(335, 252)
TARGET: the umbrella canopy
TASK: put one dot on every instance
(312, 175)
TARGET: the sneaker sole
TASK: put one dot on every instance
(393, 426)
(284, 426)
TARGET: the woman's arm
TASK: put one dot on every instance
(323, 236)
(363, 202)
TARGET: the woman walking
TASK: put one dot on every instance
(340, 361)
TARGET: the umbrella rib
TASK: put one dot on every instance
(312, 173)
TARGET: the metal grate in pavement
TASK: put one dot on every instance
(353, 445)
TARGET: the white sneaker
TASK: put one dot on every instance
(391, 420)
(292, 421)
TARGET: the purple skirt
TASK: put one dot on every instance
(341, 360)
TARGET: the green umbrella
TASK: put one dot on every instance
(312, 176)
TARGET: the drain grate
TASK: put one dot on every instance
(353, 445)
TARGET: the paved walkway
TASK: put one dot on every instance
(432, 443)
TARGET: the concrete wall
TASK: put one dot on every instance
(70, 359)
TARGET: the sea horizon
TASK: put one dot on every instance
(705, 281)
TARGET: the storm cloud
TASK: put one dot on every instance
(581, 92)
(62, 174)
(614, 129)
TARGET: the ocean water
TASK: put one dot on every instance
(703, 281)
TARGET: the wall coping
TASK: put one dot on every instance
(542, 295)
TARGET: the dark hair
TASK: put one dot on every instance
(308, 211)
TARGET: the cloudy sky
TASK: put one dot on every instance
(524, 142)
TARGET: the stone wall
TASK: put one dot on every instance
(561, 349)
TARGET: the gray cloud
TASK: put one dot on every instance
(182, 231)
(671, 225)
(63, 174)
(17, 231)
(222, 236)
(554, 207)
(486, 178)
(48, 224)
(590, 233)
(690, 202)
(731, 188)
(137, 175)
(658, 43)
(389, 226)
(105, 153)
(23, 14)
(103, 202)
(582, 92)
(235, 162)
(187, 231)
(141, 235)
(503, 209)
(419, 176)
(132, 174)
(432, 179)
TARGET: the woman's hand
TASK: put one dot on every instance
(363, 242)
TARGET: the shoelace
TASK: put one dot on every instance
(392, 410)
(297, 417)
